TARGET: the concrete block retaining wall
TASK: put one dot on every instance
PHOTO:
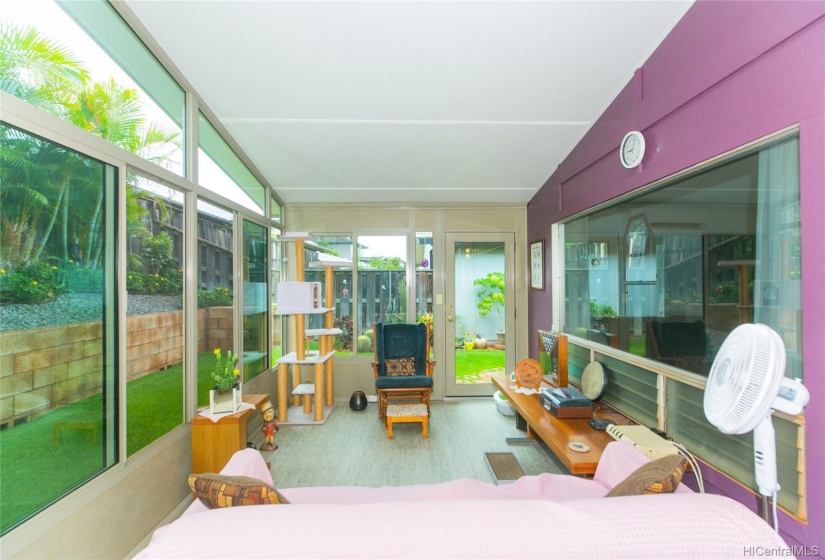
(48, 367)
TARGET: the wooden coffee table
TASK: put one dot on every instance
(558, 433)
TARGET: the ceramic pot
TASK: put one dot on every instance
(358, 401)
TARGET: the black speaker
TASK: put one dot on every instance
(358, 401)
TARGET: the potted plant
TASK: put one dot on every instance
(226, 395)
(481, 342)
(601, 315)
(491, 298)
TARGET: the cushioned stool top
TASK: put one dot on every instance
(395, 410)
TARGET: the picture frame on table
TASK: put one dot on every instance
(537, 265)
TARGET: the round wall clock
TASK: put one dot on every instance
(632, 150)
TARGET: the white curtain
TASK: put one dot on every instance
(776, 293)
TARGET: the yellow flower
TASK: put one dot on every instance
(236, 371)
(34, 282)
(216, 351)
(2, 270)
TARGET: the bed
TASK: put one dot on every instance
(544, 516)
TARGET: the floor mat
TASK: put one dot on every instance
(504, 467)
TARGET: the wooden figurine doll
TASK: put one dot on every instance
(269, 428)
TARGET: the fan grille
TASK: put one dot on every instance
(744, 378)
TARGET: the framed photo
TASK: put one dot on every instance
(537, 265)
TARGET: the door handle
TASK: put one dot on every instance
(450, 319)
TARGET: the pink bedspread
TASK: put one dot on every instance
(545, 516)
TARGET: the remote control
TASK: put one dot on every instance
(600, 423)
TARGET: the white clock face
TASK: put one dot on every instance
(632, 150)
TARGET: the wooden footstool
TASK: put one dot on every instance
(407, 413)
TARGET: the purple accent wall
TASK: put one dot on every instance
(729, 73)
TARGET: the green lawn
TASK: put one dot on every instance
(50, 456)
(470, 363)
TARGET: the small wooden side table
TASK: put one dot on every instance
(213, 443)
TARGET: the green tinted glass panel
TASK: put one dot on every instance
(57, 287)
(731, 454)
(224, 172)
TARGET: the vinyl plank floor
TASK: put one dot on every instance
(352, 449)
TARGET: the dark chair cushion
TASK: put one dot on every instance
(401, 340)
(405, 382)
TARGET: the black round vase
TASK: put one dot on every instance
(358, 401)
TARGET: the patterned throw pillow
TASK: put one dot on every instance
(661, 476)
(400, 367)
(217, 491)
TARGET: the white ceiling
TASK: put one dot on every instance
(407, 101)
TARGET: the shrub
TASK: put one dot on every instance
(167, 283)
(158, 251)
(81, 279)
(344, 340)
(219, 297)
(36, 282)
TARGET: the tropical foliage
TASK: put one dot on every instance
(491, 295)
(51, 197)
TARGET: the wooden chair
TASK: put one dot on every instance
(403, 369)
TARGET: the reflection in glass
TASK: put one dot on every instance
(154, 324)
(57, 261)
(216, 324)
(255, 345)
(721, 248)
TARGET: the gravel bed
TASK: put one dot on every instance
(77, 308)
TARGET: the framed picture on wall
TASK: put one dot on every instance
(537, 265)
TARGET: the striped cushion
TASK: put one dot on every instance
(218, 491)
(661, 476)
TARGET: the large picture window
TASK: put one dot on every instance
(57, 259)
(382, 284)
(668, 274)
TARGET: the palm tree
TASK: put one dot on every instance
(38, 70)
(44, 182)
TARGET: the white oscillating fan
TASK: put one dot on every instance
(747, 381)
